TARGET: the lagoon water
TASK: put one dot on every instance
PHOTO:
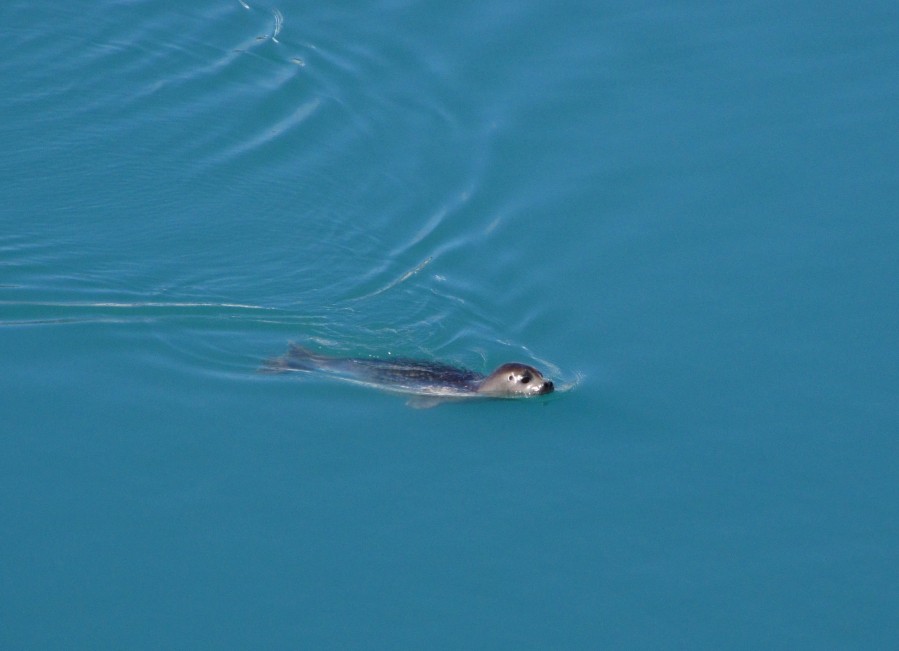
(686, 214)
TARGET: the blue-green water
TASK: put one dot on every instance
(686, 214)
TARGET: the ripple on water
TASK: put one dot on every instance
(295, 176)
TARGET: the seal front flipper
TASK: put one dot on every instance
(424, 402)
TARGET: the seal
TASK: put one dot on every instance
(432, 380)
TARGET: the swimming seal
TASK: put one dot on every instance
(431, 380)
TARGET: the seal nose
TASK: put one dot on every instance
(548, 387)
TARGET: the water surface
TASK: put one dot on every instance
(684, 215)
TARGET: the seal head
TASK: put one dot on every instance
(515, 380)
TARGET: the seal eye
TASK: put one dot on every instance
(525, 378)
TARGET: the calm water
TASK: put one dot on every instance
(686, 215)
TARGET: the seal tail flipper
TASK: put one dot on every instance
(273, 366)
(296, 358)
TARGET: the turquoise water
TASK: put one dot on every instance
(686, 215)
